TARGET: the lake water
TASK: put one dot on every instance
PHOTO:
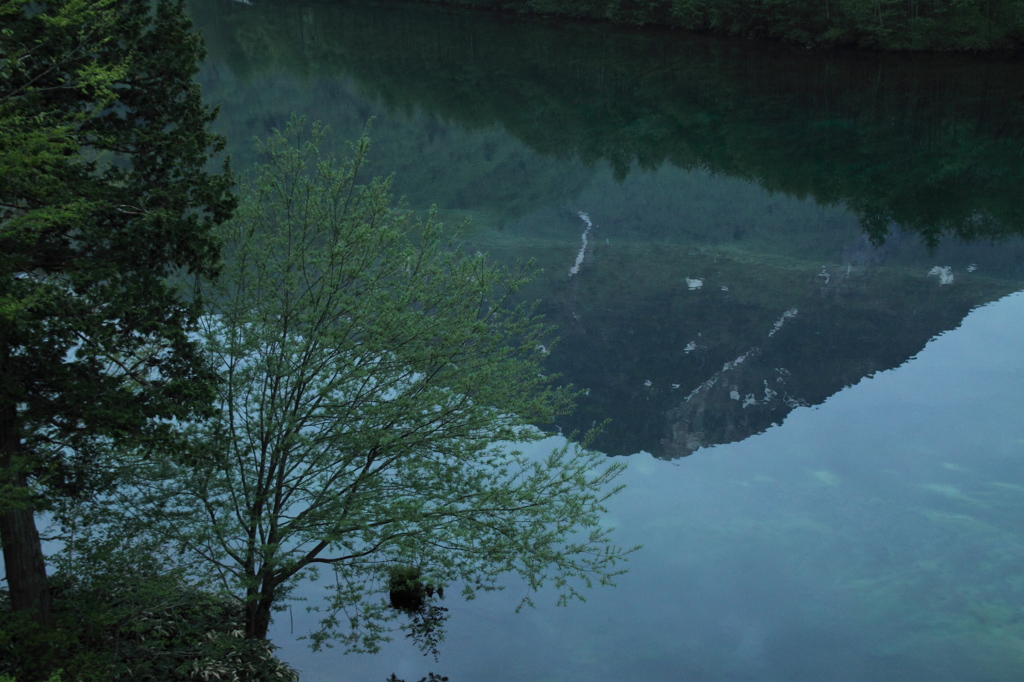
(788, 278)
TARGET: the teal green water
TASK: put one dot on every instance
(762, 264)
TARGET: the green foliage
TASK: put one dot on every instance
(373, 380)
(106, 196)
(121, 615)
(406, 588)
(410, 594)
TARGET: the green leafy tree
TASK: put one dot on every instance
(372, 379)
(104, 197)
(123, 615)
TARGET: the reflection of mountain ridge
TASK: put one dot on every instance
(676, 367)
(932, 144)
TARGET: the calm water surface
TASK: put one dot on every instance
(789, 280)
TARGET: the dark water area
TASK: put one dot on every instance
(798, 267)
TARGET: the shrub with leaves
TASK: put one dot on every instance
(133, 619)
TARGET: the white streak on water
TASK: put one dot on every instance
(583, 249)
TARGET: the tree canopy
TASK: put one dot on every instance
(105, 197)
(374, 384)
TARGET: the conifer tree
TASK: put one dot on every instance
(104, 195)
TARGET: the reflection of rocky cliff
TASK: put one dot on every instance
(682, 366)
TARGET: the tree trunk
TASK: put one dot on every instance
(257, 615)
(23, 552)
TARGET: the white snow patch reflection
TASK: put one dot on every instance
(944, 273)
(782, 320)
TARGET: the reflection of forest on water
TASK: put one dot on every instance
(933, 143)
(767, 226)
(799, 189)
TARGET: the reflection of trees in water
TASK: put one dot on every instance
(932, 145)
(409, 594)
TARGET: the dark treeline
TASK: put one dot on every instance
(877, 24)
(933, 145)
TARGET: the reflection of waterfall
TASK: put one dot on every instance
(583, 248)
